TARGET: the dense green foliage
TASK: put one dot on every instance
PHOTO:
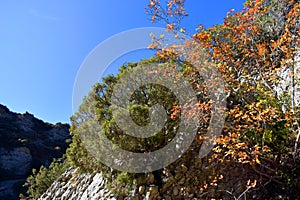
(141, 101)
(41, 179)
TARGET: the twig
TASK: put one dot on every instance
(243, 193)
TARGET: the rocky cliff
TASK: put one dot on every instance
(73, 185)
(180, 182)
(25, 143)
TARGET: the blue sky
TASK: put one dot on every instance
(43, 43)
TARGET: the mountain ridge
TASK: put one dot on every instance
(26, 142)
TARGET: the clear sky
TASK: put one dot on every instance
(43, 43)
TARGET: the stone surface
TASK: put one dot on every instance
(180, 183)
(25, 143)
(16, 161)
(87, 187)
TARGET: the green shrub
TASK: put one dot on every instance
(41, 179)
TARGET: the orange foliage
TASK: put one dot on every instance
(249, 52)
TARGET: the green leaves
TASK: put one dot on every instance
(40, 180)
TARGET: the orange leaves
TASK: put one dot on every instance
(214, 182)
(152, 3)
(241, 41)
(249, 51)
(175, 111)
(176, 7)
(204, 106)
(205, 186)
(261, 49)
(265, 149)
(166, 54)
(251, 185)
(242, 157)
(231, 148)
(170, 27)
(154, 10)
(217, 149)
(172, 12)
(204, 37)
(294, 12)
(254, 114)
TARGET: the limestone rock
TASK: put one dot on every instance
(88, 186)
(25, 143)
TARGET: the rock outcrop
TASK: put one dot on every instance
(184, 184)
(72, 185)
(25, 143)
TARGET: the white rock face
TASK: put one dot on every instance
(297, 69)
(17, 160)
(71, 186)
(286, 82)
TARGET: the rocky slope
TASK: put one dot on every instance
(72, 185)
(185, 183)
(25, 143)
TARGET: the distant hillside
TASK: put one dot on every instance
(25, 143)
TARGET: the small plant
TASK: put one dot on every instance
(41, 179)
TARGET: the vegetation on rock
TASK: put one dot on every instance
(257, 155)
